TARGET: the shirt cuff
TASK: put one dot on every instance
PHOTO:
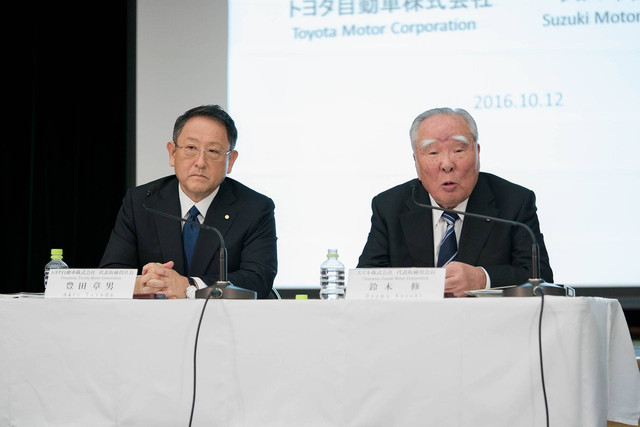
(201, 285)
(488, 278)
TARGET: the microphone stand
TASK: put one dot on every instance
(223, 288)
(535, 285)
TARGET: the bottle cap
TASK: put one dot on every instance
(332, 253)
(302, 296)
(56, 253)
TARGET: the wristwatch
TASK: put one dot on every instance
(190, 292)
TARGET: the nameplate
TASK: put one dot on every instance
(90, 283)
(396, 283)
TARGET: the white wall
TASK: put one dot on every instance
(181, 63)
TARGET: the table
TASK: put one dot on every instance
(452, 362)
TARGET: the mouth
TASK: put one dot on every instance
(449, 185)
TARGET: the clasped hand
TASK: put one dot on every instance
(161, 279)
(461, 277)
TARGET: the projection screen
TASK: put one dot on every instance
(323, 94)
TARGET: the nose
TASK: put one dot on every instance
(200, 159)
(446, 163)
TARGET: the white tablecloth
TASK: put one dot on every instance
(454, 362)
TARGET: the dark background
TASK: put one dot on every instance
(70, 77)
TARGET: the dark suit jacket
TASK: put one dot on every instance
(402, 233)
(140, 237)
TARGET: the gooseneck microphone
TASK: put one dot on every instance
(535, 285)
(222, 289)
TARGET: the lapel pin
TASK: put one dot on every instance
(226, 217)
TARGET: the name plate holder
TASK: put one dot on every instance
(91, 283)
(396, 283)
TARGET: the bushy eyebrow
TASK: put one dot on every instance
(424, 144)
(460, 138)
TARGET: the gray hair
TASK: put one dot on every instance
(473, 128)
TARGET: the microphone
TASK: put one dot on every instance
(223, 288)
(535, 285)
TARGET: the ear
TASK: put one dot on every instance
(171, 148)
(477, 156)
(232, 159)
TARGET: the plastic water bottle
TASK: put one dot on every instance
(332, 277)
(56, 262)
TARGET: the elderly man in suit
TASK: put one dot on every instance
(479, 253)
(174, 258)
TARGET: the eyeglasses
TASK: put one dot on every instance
(191, 151)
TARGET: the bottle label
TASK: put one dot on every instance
(52, 265)
(332, 284)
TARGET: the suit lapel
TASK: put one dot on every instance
(221, 216)
(417, 227)
(475, 231)
(169, 230)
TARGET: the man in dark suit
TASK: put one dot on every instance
(485, 253)
(202, 153)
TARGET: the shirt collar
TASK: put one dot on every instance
(203, 205)
(437, 215)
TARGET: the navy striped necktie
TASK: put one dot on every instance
(190, 234)
(448, 246)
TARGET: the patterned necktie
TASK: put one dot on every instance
(448, 246)
(190, 237)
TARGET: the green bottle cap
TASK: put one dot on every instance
(302, 296)
(57, 253)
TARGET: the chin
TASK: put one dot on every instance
(199, 190)
(449, 203)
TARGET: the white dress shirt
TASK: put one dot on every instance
(440, 228)
(203, 206)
